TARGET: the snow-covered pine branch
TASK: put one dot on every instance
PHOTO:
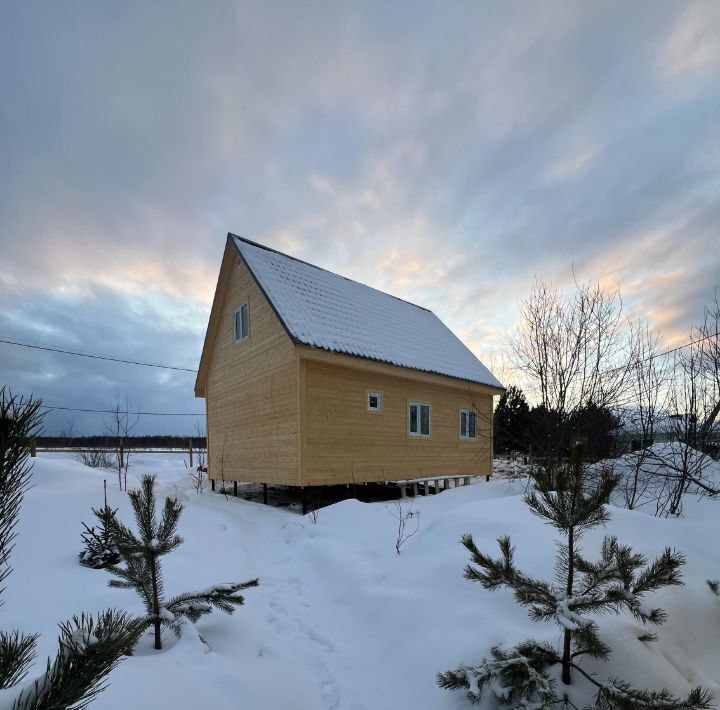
(517, 677)
(17, 652)
(225, 597)
(88, 649)
(615, 694)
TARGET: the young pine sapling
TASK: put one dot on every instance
(620, 579)
(142, 570)
(100, 551)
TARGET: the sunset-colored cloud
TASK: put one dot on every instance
(448, 154)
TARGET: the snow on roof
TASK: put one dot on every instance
(328, 311)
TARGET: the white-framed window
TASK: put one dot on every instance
(468, 424)
(374, 401)
(418, 419)
(241, 324)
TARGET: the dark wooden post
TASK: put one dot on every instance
(190, 447)
(212, 484)
(235, 488)
(265, 493)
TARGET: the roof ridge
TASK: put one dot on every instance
(327, 271)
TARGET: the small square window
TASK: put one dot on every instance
(418, 419)
(468, 424)
(374, 401)
(241, 323)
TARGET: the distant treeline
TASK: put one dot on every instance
(129, 442)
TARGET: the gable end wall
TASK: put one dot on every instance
(252, 392)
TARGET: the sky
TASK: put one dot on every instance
(448, 153)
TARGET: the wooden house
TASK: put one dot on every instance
(311, 379)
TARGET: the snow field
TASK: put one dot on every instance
(340, 620)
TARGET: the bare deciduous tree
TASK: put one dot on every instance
(119, 427)
(681, 392)
(648, 374)
(573, 351)
(218, 462)
(680, 467)
(198, 475)
(708, 337)
(68, 432)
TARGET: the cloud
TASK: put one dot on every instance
(693, 45)
(574, 162)
(445, 153)
(101, 320)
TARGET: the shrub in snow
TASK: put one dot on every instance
(582, 589)
(142, 572)
(714, 585)
(405, 529)
(94, 458)
(89, 648)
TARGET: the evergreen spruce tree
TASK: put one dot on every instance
(510, 421)
(89, 648)
(595, 425)
(581, 590)
(142, 571)
(100, 551)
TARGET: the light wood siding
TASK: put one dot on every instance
(342, 442)
(251, 391)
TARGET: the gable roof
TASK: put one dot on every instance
(324, 310)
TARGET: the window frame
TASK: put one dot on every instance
(246, 334)
(418, 434)
(466, 436)
(373, 393)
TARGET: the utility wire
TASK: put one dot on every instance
(662, 354)
(187, 369)
(638, 362)
(115, 411)
(96, 357)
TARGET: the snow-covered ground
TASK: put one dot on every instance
(340, 620)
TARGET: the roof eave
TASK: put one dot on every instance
(499, 389)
